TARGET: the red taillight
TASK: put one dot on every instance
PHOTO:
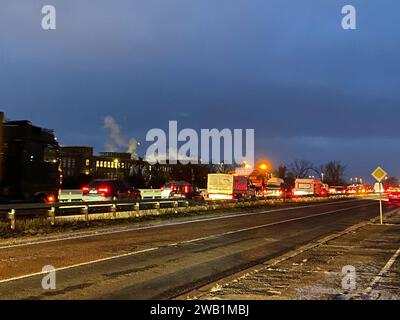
(51, 199)
(172, 188)
(162, 188)
(103, 190)
(85, 189)
(186, 189)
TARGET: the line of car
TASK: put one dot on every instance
(224, 187)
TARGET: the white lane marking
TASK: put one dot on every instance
(185, 242)
(168, 224)
(81, 264)
(291, 220)
(383, 272)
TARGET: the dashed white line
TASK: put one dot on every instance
(81, 264)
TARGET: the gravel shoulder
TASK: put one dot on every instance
(317, 273)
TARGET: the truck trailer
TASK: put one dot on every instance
(222, 186)
(29, 163)
(309, 187)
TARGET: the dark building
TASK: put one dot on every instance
(29, 159)
(80, 165)
(76, 161)
(112, 165)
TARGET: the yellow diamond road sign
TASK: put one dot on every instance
(379, 174)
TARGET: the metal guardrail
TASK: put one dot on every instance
(21, 210)
(12, 212)
(76, 194)
(150, 193)
(70, 195)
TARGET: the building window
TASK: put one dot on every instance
(87, 162)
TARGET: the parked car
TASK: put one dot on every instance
(176, 189)
(393, 194)
(109, 190)
(337, 190)
(277, 188)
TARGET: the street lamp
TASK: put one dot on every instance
(263, 167)
(322, 176)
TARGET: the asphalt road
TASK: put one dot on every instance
(167, 260)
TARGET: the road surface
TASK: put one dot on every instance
(166, 260)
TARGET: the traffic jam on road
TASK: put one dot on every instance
(290, 201)
(202, 159)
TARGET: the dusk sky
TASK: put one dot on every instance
(286, 68)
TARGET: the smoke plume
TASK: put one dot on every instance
(116, 141)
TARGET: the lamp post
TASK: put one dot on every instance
(263, 167)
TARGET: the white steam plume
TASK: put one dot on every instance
(116, 140)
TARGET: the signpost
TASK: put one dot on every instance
(379, 174)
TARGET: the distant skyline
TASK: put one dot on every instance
(310, 89)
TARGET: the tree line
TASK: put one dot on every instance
(332, 173)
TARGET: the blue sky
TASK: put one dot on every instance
(286, 68)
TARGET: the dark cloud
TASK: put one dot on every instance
(286, 68)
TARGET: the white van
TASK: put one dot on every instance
(308, 187)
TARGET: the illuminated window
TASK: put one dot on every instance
(87, 162)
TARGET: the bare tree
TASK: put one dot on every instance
(301, 168)
(281, 172)
(333, 172)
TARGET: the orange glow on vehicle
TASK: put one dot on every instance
(263, 166)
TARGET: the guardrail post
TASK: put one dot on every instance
(157, 205)
(186, 203)
(11, 216)
(137, 206)
(85, 211)
(175, 204)
(114, 210)
(52, 215)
